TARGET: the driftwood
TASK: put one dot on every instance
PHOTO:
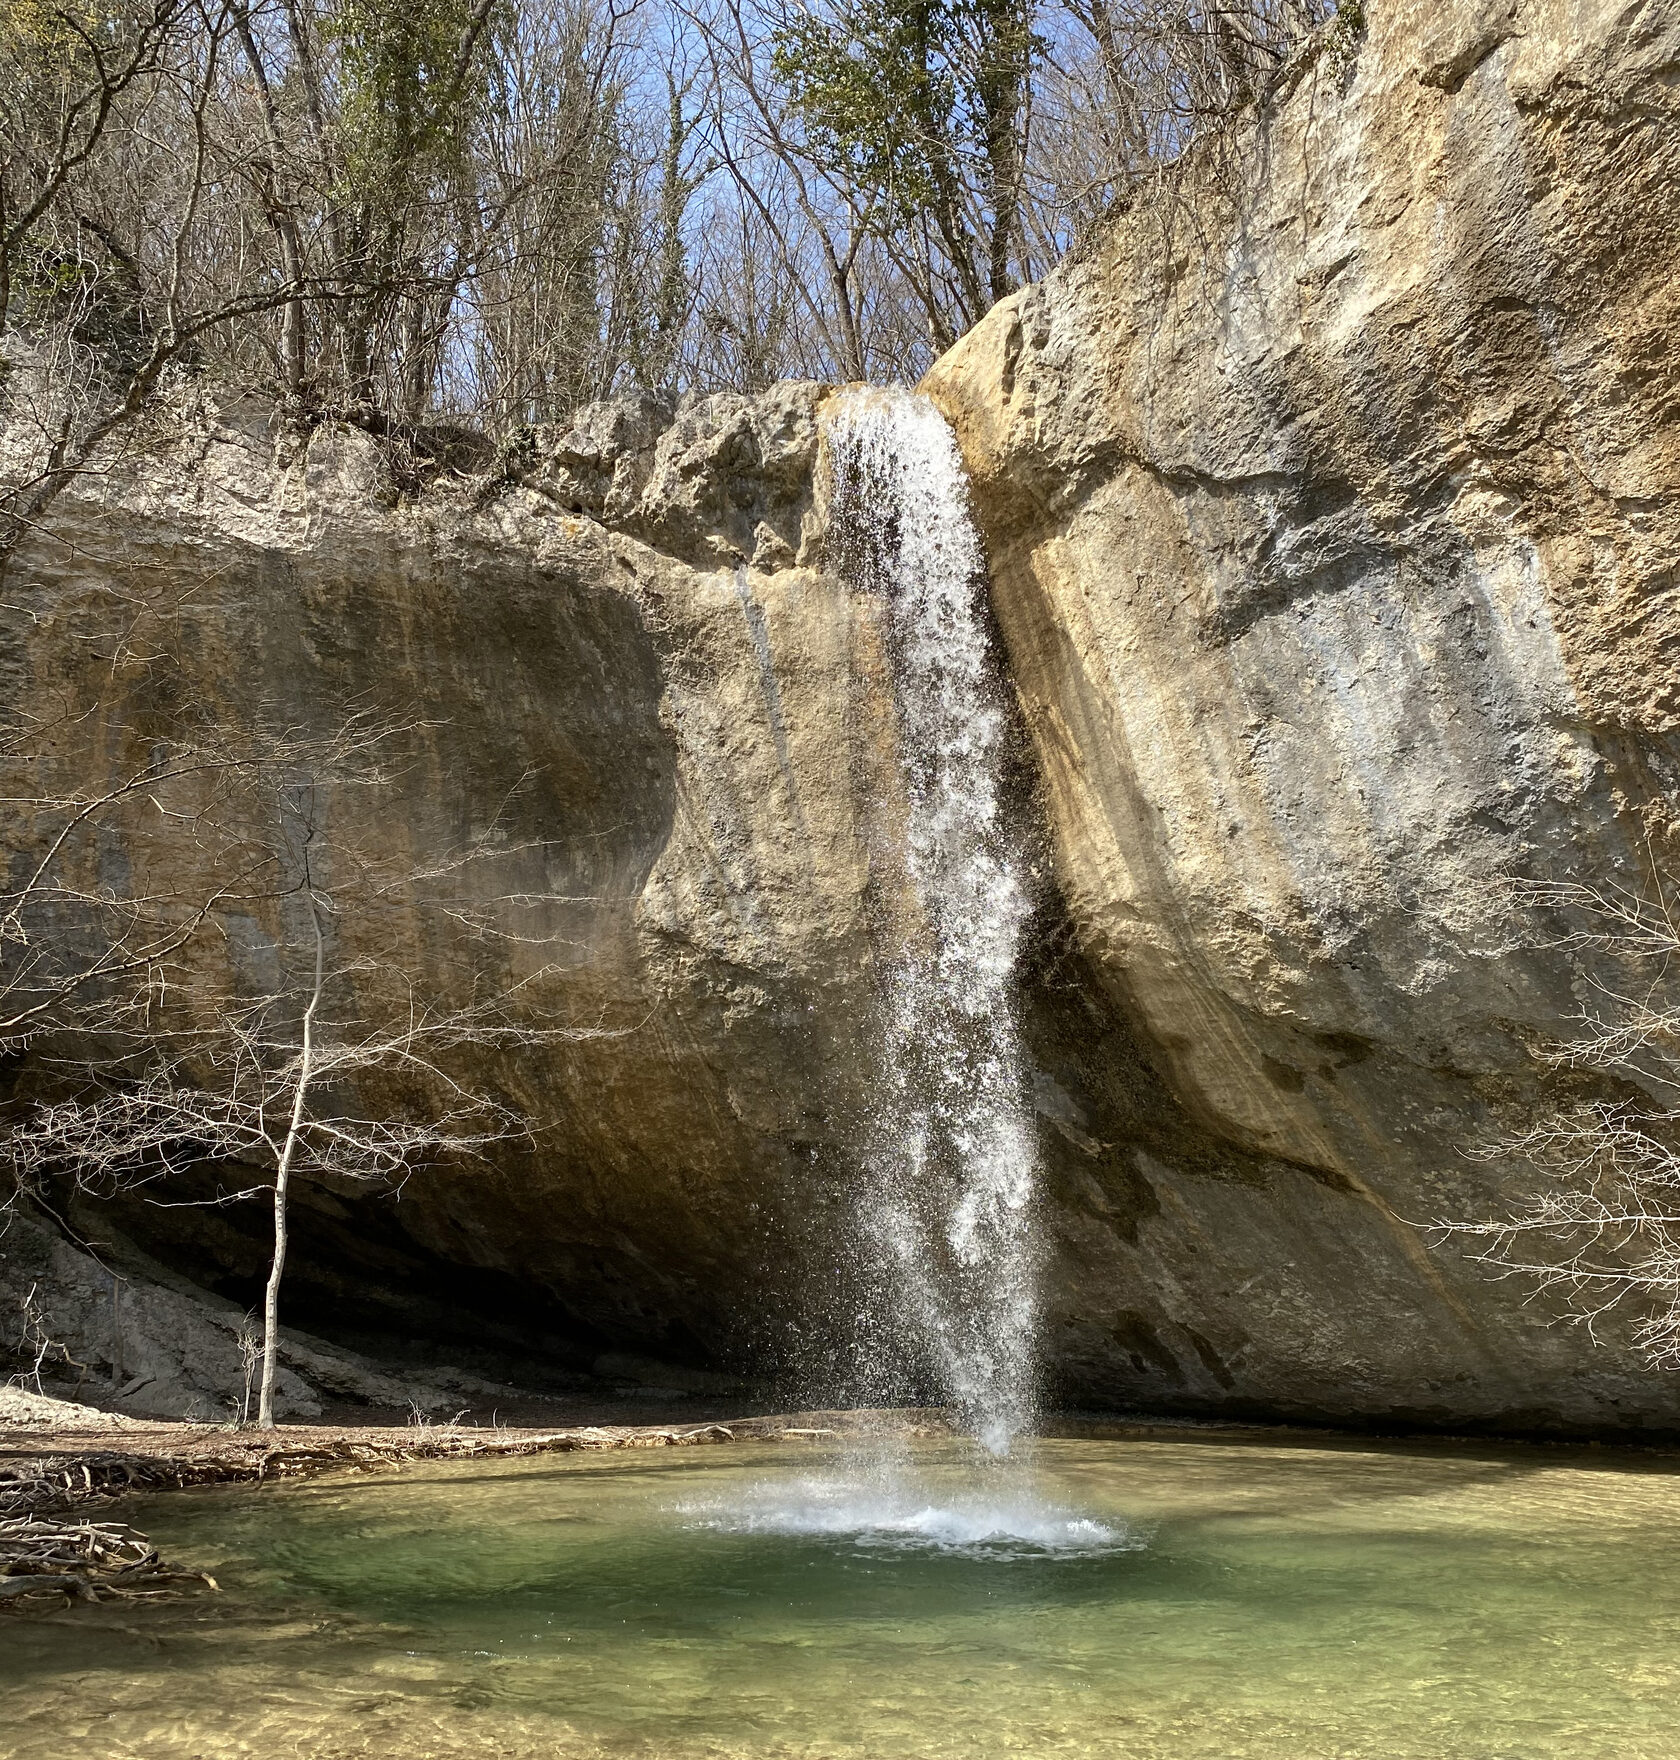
(47, 1552)
(82, 1561)
(52, 1483)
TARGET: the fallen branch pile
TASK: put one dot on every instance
(83, 1561)
(46, 1551)
(51, 1483)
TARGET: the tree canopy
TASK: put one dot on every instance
(497, 210)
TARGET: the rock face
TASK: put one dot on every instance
(122, 1327)
(1333, 516)
(628, 681)
(1331, 503)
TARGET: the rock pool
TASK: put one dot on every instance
(1194, 1600)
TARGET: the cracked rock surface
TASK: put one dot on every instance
(1331, 505)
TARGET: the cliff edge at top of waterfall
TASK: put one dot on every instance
(716, 480)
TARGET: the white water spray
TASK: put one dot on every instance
(946, 1199)
(948, 1196)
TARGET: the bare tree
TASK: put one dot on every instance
(1128, 89)
(156, 1057)
(541, 314)
(497, 210)
(814, 229)
(1602, 1225)
(907, 166)
(393, 215)
(114, 144)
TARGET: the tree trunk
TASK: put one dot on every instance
(293, 342)
(1002, 86)
(282, 1178)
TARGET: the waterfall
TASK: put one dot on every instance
(946, 1200)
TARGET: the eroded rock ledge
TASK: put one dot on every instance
(1332, 509)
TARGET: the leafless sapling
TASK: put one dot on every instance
(337, 1061)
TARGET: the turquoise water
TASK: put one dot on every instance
(1176, 1601)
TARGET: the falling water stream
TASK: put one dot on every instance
(947, 1298)
(946, 1195)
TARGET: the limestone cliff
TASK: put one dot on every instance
(624, 673)
(1331, 499)
(1332, 509)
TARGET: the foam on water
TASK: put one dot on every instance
(1369, 1601)
(1009, 1523)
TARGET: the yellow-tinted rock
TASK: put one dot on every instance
(1331, 497)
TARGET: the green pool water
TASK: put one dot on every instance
(1171, 1600)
